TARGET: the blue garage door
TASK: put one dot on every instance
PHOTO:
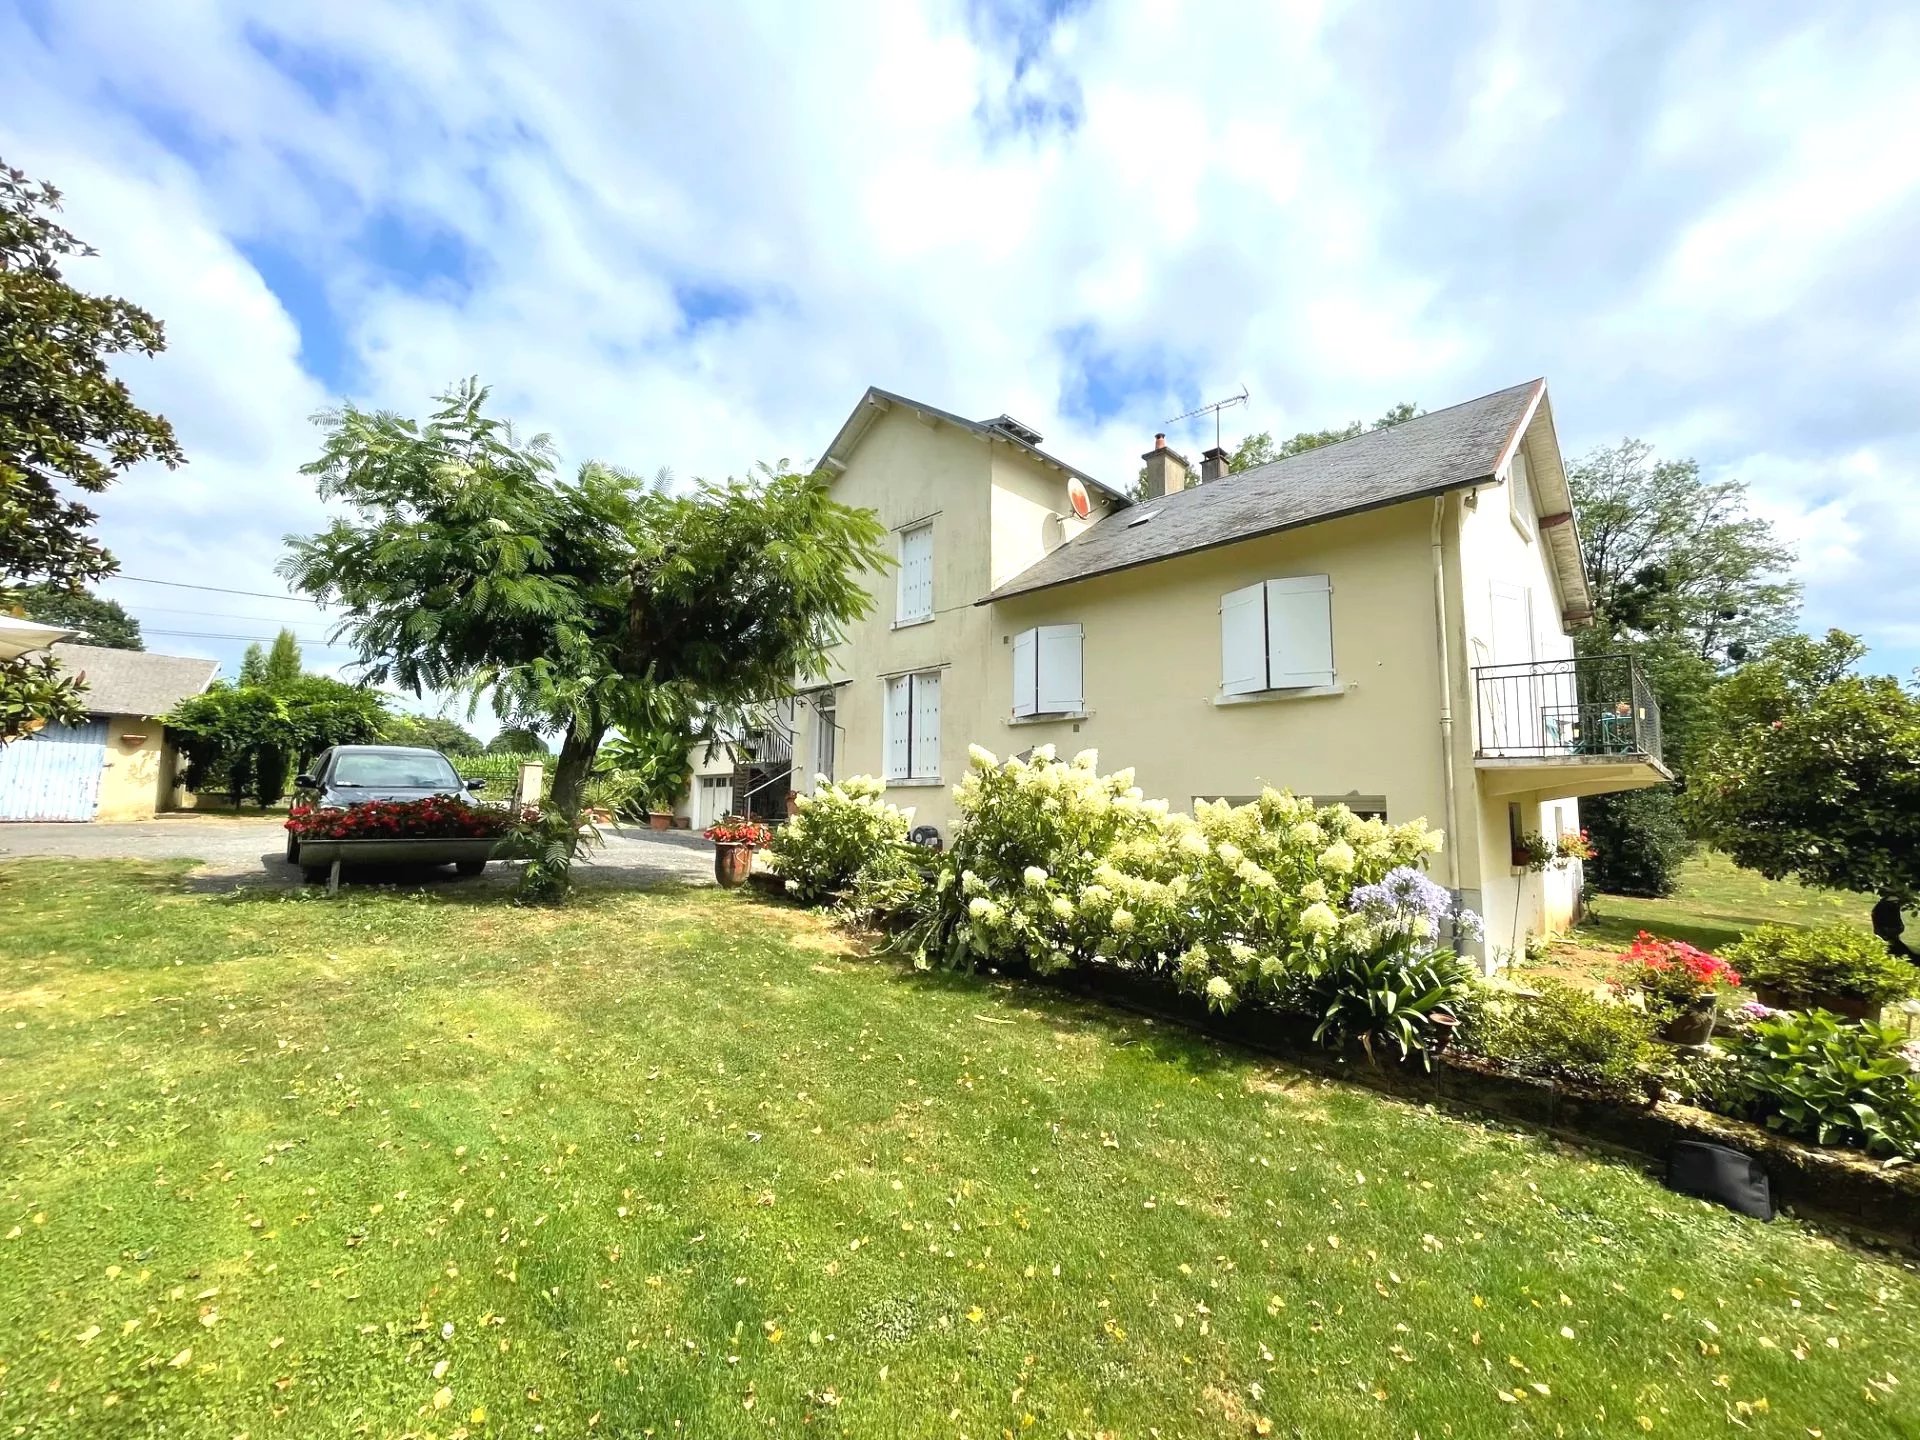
(55, 774)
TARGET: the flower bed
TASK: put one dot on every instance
(438, 817)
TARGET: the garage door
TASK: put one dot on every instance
(55, 774)
(712, 800)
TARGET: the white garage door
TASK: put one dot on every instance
(54, 774)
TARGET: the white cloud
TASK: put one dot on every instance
(1695, 228)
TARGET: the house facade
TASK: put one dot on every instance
(118, 765)
(1385, 623)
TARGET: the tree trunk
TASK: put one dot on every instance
(577, 752)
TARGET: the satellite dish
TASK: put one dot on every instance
(1077, 497)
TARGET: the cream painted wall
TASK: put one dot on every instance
(137, 778)
(1152, 672)
(1492, 547)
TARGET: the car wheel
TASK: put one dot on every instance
(315, 874)
(469, 867)
(293, 848)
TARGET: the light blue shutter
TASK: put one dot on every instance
(1243, 641)
(899, 726)
(1299, 632)
(926, 725)
(1026, 672)
(1059, 670)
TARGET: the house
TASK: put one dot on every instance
(1386, 622)
(120, 764)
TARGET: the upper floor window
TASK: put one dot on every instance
(915, 596)
(1520, 494)
(1277, 635)
(1047, 676)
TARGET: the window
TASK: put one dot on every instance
(916, 575)
(1277, 635)
(823, 736)
(1046, 671)
(1520, 494)
(913, 726)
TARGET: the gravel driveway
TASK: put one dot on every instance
(251, 851)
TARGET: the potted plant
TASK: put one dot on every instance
(734, 842)
(1835, 967)
(1680, 986)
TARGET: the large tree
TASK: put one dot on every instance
(449, 737)
(1687, 578)
(66, 424)
(1813, 770)
(463, 561)
(97, 620)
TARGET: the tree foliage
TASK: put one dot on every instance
(1639, 840)
(435, 731)
(35, 691)
(654, 766)
(462, 561)
(518, 740)
(1813, 770)
(1260, 448)
(66, 422)
(282, 664)
(97, 620)
(253, 665)
(67, 425)
(245, 740)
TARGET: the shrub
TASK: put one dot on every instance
(1054, 865)
(1639, 841)
(1816, 1078)
(1397, 991)
(1563, 1034)
(835, 835)
(1833, 960)
(1672, 975)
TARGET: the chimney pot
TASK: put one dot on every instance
(1160, 440)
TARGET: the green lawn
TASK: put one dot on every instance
(684, 1164)
(1716, 903)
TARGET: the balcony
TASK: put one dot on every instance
(1566, 727)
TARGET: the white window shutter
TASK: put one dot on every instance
(1026, 672)
(916, 573)
(1059, 670)
(1243, 641)
(1299, 632)
(899, 726)
(926, 725)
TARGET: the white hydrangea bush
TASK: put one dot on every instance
(835, 836)
(1055, 865)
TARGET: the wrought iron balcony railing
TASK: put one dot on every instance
(1599, 706)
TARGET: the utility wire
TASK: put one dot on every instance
(210, 635)
(218, 589)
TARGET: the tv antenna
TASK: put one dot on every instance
(1214, 409)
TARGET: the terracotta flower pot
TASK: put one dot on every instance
(659, 820)
(731, 865)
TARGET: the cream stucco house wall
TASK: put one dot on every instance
(1385, 623)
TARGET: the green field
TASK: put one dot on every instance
(682, 1163)
(1716, 903)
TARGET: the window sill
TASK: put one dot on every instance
(1268, 697)
(1052, 717)
(923, 781)
(909, 624)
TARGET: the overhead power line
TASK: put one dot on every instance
(211, 635)
(219, 589)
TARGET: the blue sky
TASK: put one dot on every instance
(689, 236)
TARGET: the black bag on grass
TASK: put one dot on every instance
(1715, 1172)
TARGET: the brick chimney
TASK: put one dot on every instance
(1213, 464)
(1166, 470)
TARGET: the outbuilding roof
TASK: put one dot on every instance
(132, 682)
(1462, 445)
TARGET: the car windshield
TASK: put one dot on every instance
(395, 770)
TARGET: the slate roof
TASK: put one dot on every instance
(1460, 445)
(996, 429)
(132, 682)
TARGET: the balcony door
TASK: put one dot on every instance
(1514, 696)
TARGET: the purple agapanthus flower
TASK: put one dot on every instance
(1405, 895)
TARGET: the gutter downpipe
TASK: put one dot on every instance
(1446, 708)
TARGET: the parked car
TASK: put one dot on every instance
(350, 775)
